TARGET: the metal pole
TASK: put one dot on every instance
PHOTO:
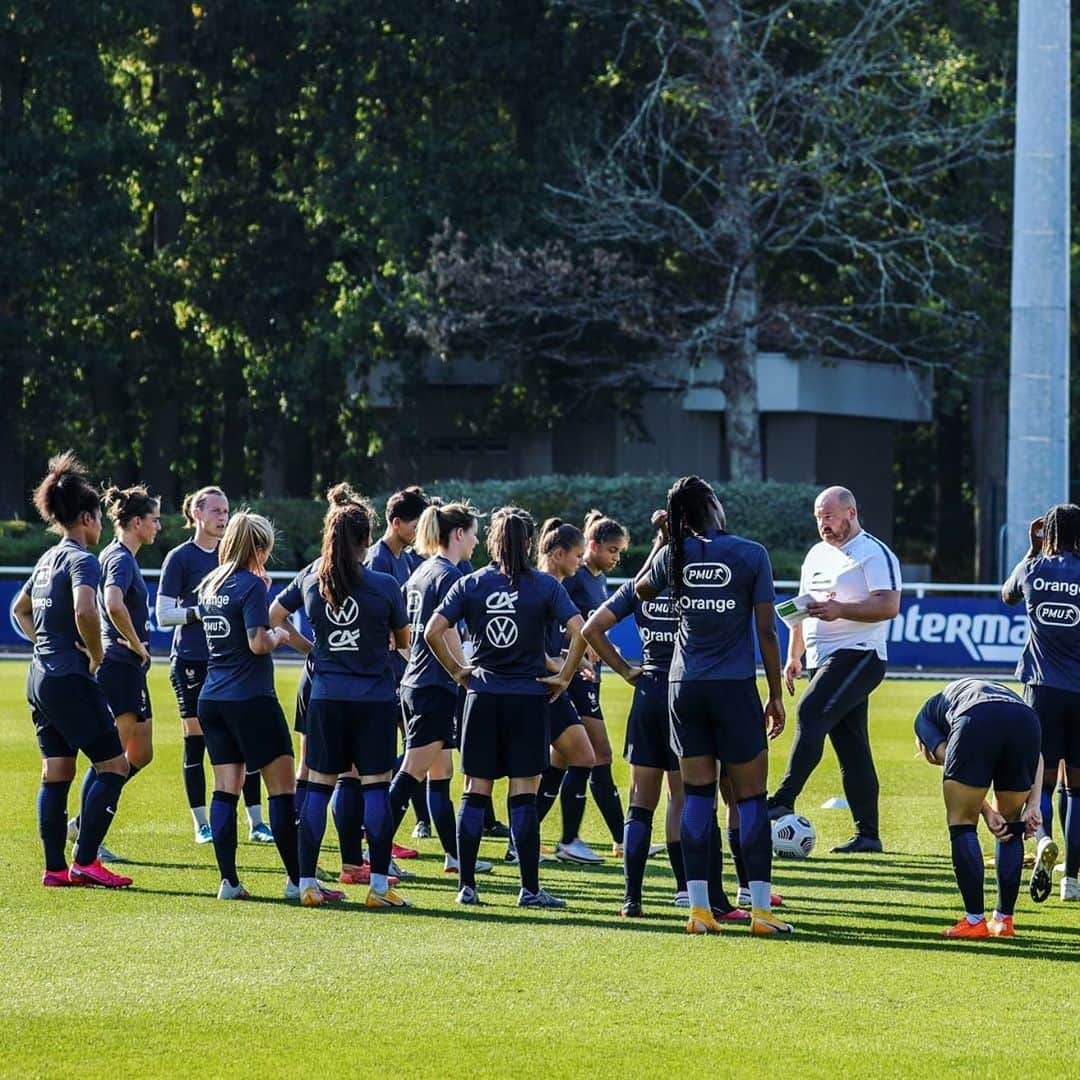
(1039, 349)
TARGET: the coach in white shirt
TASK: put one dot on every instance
(855, 580)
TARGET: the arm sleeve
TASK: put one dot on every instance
(452, 609)
(169, 611)
(658, 572)
(930, 725)
(86, 571)
(622, 603)
(882, 570)
(562, 607)
(764, 591)
(256, 607)
(1014, 586)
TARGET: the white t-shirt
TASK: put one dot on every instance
(848, 574)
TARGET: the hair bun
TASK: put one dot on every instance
(340, 495)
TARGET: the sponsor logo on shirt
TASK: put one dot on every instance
(1054, 614)
(215, 627)
(345, 615)
(1072, 588)
(501, 631)
(658, 610)
(501, 601)
(218, 600)
(714, 575)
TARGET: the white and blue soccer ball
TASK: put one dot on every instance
(793, 837)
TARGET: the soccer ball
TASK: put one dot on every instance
(793, 837)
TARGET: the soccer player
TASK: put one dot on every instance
(445, 538)
(352, 714)
(57, 610)
(845, 640)
(1047, 580)
(561, 551)
(721, 586)
(983, 734)
(238, 709)
(605, 541)
(506, 606)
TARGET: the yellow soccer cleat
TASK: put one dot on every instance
(702, 921)
(388, 899)
(765, 924)
(312, 896)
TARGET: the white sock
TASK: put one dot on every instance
(761, 895)
(308, 883)
(699, 893)
(379, 883)
(199, 814)
(254, 814)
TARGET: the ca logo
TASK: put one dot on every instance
(501, 601)
(414, 603)
(344, 615)
(501, 631)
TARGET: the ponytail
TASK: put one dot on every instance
(558, 535)
(687, 513)
(510, 539)
(64, 494)
(123, 505)
(246, 535)
(346, 536)
(196, 500)
(438, 522)
(601, 529)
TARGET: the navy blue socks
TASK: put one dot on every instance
(403, 789)
(718, 897)
(636, 835)
(525, 832)
(1046, 808)
(223, 826)
(1072, 834)
(734, 839)
(194, 774)
(967, 860)
(97, 815)
(379, 825)
(470, 827)
(52, 821)
(283, 826)
(606, 796)
(441, 809)
(348, 809)
(301, 796)
(674, 854)
(698, 821)
(312, 825)
(1008, 865)
(572, 801)
(550, 782)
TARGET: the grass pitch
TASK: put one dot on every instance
(164, 980)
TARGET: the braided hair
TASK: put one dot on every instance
(689, 506)
(1061, 529)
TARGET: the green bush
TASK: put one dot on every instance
(776, 515)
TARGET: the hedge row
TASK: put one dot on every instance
(777, 515)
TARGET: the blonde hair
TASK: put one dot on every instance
(438, 521)
(245, 535)
(196, 501)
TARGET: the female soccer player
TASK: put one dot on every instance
(561, 550)
(238, 709)
(207, 512)
(446, 538)
(720, 585)
(57, 610)
(605, 541)
(352, 715)
(984, 734)
(506, 606)
(1047, 579)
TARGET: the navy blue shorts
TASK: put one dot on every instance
(1059, 717)
(562, 715)
(125, 689)
(303, 700)
(251, 732)
(71, 714)
(429, 712)
(504, 735)
(586, 697)
(341, 734)
(720, 718)
(648, 727)
(187, 678)
(994, 743)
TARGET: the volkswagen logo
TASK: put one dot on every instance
(501, 631)
(344, 615)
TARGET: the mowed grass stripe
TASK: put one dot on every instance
(165, 980)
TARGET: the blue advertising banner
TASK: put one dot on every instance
(946, 632)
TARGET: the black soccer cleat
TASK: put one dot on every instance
(859, 845)
(498, 831)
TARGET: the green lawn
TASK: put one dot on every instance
(163, 979)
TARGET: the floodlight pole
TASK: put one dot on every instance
(1039, 350)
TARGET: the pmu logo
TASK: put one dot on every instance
(660, 610)
(345, 615)
(501, 601)
(215, 627)
(1051, 614)
(501, 631)
(707, 575)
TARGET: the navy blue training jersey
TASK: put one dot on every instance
(184, 567)
(234, 672)
(657, 625)
(508, 624)
(939, 713)
(379, 557)
(724, 576)
(119, 568)
(350, 659)
(1050, 587)
(424, 592)
(589, 591)
(51, 588)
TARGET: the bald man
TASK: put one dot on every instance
(855, 580)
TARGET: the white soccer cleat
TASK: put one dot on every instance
(682, 899)
(577, 851)
(452, 866)
(232, 892)
(1070, 890)
(203, 835)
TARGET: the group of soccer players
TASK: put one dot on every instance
(501, 664)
